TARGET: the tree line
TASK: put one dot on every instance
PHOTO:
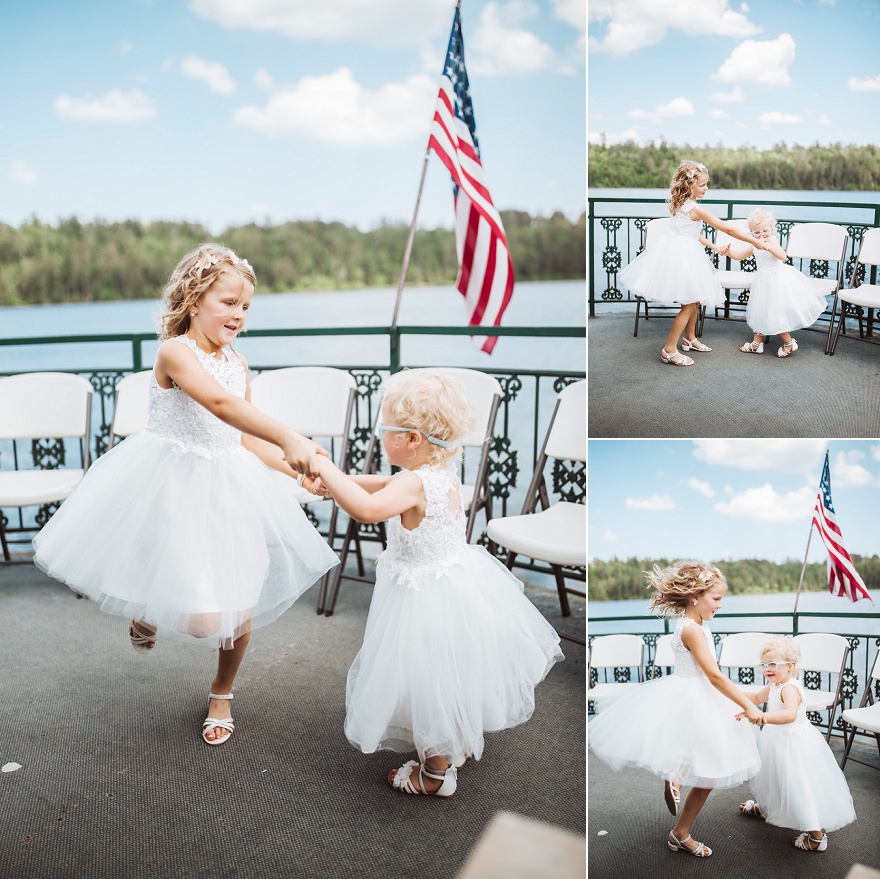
(618, 579)
(81, 262)
(836, 167)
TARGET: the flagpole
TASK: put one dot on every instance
(803, 569)
(412, 232)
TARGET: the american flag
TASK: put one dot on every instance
(843, 579)
(485, 276)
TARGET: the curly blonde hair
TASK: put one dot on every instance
(192, 276)
(788, 648)
(682, 183)
(758, 216)
(675, 586)
(433, 403)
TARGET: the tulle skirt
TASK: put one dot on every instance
(800, 784)
(203, 548)
(675, 270)
(782, 300)
(679, 728)
(446, 659)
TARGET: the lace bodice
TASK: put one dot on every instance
(685, 664)
(176, 417)
(774, 699)
(439, 540)
(683, 225)
(765, 260)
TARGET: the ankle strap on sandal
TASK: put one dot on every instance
(220, 696)
(437, 774)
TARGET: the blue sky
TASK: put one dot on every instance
(231, 111)
(718, 72)
(728, 499)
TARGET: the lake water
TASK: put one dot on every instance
(555, 303)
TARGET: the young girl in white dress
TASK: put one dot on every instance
(682, 727)
(676, 269)
(182, 528)
(799, 784)
(452, 646)
(780, 298)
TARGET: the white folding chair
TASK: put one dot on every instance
(732, 279)
(484, 394)
(316, 401)
(866, 716)
(130, 406)
(616, 652)
(664, 655)
(825, 654)
(35, 406)
(743, 650)
(654, 230)
(859, 294)
(558, 533)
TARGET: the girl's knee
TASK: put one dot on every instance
(203, 625)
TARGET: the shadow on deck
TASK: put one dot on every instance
(115, 781)
(727, 393)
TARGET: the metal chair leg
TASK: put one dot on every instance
(563, 592)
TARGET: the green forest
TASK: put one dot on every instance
(625, 578)
(81, 262)
(837, 167)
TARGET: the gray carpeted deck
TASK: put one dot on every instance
(629, 806)
(116, 782)
(727, 393)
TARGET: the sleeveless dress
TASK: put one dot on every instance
(678, 727)
(182, 527)
(781, 298)
(675, 268)
(452, 647)
(800, 784)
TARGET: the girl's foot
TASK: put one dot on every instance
(753, 348)
(676, 358)
(810, 843)
(697, 849)
(693, 345)
(787, 349)
(218, 726)
(142, 636)
(432, 782)
(750, 808)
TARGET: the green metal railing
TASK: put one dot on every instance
(862, 652)
(515, 445)
(616, 239)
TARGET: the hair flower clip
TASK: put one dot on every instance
(205, 261)
(704, 576)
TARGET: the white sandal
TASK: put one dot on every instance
(753, 347)
(793, 345)
(672, 795)
(402, 780)
(676, 358)
(140, 639)
(210, 723)
(814, 845)
(693, 345)
(752, 809)
(701, 851)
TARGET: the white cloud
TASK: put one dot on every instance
(634, 24)
(823, 119)
(654, 503)
(629, 134)
(864, 85)
(783, 455)
(115, 106)
(21, 174)
(213, 74)
(498, 45)
(264, 79)
(735, 96)
(875, 453)
(847, 472)
(676, 107)
(774, 117)
(609, 535)
(717, 114)
(573, 12)
(336, 109)
(701, 487)
(762, 62)
(383, 22)
(765, 504)
(125, 46)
